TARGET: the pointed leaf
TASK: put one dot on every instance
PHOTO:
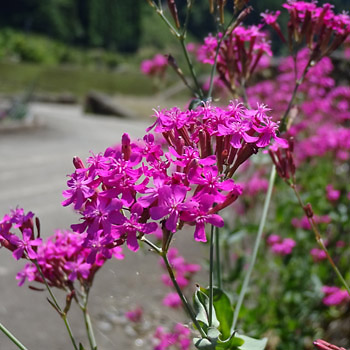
(201, 306)
(203, 344)
(224, 312)
(252, 344)
(232, 343)
(81, 347)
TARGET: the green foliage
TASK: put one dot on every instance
(109, 24)
(220, 335)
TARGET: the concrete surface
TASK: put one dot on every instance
(33, 167)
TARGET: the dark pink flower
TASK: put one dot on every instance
(134, 315)
(334, 295)
(129, 229)
(25, 244)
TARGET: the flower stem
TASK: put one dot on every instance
(320, 240)
(191, 67)
(256, 246)
(88, 324)
(12, 337)
(218, 260)
(211, 270)
(55, 303)
(152, 245)
(185, 303)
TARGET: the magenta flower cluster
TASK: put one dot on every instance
(179, 338)
(23, 246)
(155, 66)
(322, 29)
(334, 295)
(239, 54)
(281, 246)
(315, 133)
(63, 259)
(131, 191)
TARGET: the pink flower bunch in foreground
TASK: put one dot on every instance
(281, 246)
(239, 54)
(334, 295)
(183, 271)
(128, 192)
(62, 257)
(179, 338)
(155, 66)
(23, 246)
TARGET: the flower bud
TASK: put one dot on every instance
(78, 163)
(173, 11)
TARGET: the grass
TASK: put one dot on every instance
(17, 78)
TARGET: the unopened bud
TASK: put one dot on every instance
(78, 163)
(173, 11)
(126, 148)
(308, 210)
(37, 224)
(69, 298)
(323, 345)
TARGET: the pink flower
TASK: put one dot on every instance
(332, 194)
(270, 17)
(334, 296)
(281, 246)
(179, 338)
(25, 244)
(318, 254)
(172, 300)
(134, 315)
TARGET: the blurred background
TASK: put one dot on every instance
(74, 46)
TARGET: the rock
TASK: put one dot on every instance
(99, 103)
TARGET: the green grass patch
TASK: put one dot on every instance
(21, 77)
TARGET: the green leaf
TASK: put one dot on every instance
(201, 307)
(81, 347)
(252, 344)
(232, 343)
(204, 344)
(223, 310)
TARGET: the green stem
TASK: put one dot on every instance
(320, 240)
(244, 92)
(159, 10)
(69, 330)
(284, 119)
(218, 260)
(191, 67)
(88, 324)
(12, 337)
(185, 303)
(213, 68)
(152, 245)
(63, 315)
(256, 247)
(211, 270)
